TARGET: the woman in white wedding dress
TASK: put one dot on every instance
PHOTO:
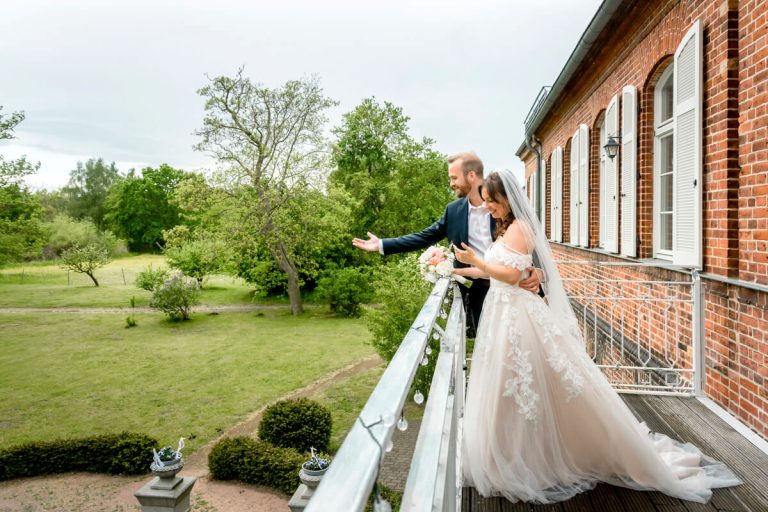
(541, 422)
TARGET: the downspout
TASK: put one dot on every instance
(534, 144)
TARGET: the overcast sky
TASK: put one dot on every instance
(117, 79)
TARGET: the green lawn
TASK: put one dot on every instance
(47, 285)
(66, 375)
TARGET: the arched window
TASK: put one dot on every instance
(663, 165)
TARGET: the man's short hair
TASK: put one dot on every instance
(469, 162)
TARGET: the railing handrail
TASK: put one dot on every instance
(436, 446)
(350, 478)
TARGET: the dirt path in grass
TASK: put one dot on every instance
(195, 309)
(83, 492)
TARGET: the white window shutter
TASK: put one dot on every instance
(628, 171)
(543, 194)
(611, 193)
(584, 185)
(687, 157)
(574, 238)
(558, 201)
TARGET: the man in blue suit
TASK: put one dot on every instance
(465, 220)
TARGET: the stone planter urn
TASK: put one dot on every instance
(311, 477)
(166, 492)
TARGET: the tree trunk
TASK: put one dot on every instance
(93, 278)
(287, 266)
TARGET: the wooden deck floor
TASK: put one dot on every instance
(685, 419)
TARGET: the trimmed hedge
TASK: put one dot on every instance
(117, 454)
(298, 423)
(256, 462)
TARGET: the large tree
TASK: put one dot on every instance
(401, 183)
(271, 150)
(21, 233)
(88, 187)
(140, 208)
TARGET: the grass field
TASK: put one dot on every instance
(47, 285)
(80, 374)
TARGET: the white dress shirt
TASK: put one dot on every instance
(479, 233)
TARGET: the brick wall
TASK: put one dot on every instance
(753, 140)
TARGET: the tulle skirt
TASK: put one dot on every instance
(542, 424)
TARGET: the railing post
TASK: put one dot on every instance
(699, 365)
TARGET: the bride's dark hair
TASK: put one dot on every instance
(494, 187)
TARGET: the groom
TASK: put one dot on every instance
(465, 220)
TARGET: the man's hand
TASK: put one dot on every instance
(532, 283)
(371, 245)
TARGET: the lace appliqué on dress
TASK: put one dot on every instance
(519, 386)
(572, 379)
(515, 260)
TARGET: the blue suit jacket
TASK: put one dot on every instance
(453, 225)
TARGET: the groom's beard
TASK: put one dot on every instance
(462, 191)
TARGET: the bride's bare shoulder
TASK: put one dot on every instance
(515, 238)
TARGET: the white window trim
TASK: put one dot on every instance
(660, 130)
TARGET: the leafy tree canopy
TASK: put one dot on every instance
(401, 184)
(140, 208)
(88, 187)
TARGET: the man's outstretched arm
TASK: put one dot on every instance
(405, 243)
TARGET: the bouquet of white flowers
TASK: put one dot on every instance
(437, 262)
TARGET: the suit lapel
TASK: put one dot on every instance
(463, 221)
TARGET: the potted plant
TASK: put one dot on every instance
(313, 469)
(167, 461)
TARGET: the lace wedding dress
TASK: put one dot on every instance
(542, 424)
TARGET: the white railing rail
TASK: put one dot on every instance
(347, 485)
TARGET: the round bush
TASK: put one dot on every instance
(256, 462)
(176, 296)
(298, 423)
(345, 289)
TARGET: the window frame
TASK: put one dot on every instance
(661, 130)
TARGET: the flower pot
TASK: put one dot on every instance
(311, 477)
(167, 469)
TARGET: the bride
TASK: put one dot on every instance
(541, 422)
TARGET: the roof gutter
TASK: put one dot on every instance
(599, 21)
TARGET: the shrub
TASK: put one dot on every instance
(256, 462)
(116, 454)
(393, 497)
(176, 296)
(401, 291)
(149, 278)
(66, 232)
(345, 289)
(298, 423)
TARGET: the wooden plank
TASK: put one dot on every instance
(702, 417)
(466, 499)
(518, 506)
(604, 499)
(725, 500)
(753, 493)
(579, 503)
(692, 506)
(553, 507)
(634, 500)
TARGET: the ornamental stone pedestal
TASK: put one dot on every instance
(166, 492)
(311, 479)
